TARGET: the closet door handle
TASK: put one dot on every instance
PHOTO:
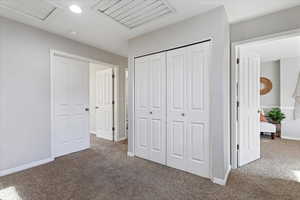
(150, 112)
(182, 114)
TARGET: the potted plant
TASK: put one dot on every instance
(276, 116)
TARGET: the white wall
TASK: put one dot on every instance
(271, 70)
(212, 24)
(25, 89)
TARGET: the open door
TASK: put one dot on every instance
(70, 99)
(104, 104)
(249, 107)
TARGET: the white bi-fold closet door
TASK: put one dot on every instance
(188, 109)
(150, 107)
(175, 85)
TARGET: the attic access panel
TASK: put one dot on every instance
(134, 13)
(38, 9)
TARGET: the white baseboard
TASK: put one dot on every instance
(289, 138)
(24, 167)
(130, 154)
(121, 139)
(106, 137)
(222, 181)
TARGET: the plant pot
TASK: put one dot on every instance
(278, 130)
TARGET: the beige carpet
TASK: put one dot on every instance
(104, 172)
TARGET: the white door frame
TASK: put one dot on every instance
(234, 80)
(131, 101)
(54, 53)
(126, 101)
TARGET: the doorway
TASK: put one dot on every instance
(84, 100)
(70, 101)
(103, 101)
(265, 78)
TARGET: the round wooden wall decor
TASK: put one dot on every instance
(266, 85)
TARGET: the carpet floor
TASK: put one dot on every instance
(104, 172)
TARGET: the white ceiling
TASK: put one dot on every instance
(277, 49)
(101, 31)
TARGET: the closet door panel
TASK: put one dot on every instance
(157, 107)
(176, 108)
(142, 85)
(142, 108)
(188, 109)
(150, 107)
(197, 117)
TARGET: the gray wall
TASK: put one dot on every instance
(25, 89)
(213, 25)
(284, 20)
(271, 70)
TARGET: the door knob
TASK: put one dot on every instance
(150, 112)
(97, 107)
(87, 109)
(182, 114)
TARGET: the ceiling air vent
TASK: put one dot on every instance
(38, 9)
(134, 13)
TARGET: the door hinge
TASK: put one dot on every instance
(238, 61)
(113, 76)
(237, 110)
(113, 102)
(113, 129)
(238, 147)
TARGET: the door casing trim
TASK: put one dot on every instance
(54, 53)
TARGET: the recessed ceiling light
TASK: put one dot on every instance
(75, 9)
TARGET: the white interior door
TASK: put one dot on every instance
(176, 108)
(150, 108)
(188, 109)
(104, 104)
(70, 81)
(249, 106)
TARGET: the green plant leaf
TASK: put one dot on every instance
(276, 115)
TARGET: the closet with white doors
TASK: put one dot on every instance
(150, 107)
(172, 108)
